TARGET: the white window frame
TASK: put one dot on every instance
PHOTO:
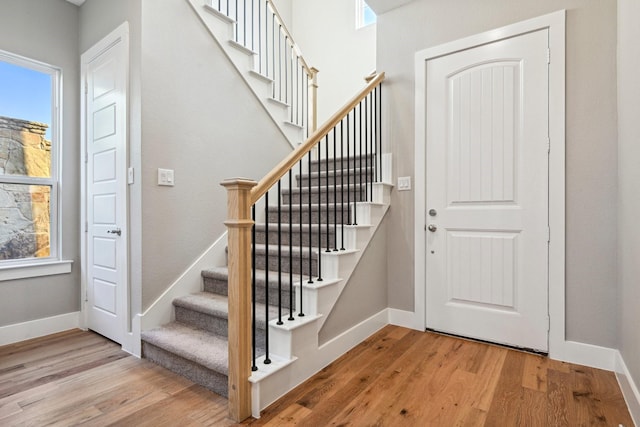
(361, 7)
(34, 267)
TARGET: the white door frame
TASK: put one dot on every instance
(555, 23)
(120, 34)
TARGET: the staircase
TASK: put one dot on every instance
(195, 344)
(253, 36)
(327, 198)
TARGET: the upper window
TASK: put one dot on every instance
(28, 160)
(364, 14)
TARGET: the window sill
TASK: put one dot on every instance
(14, 272)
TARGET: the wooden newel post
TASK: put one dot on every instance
(313, 100)
(239, 224)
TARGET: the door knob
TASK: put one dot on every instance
(432, 228)
(116, 231)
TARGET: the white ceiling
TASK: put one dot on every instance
(76, 2)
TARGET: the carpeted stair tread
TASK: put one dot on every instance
(196, 345)
(218, 306)
(222, 273)
(206, 303)
(315, 189)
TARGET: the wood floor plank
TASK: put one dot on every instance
(396, 377)
(560, 404)
(488, 376)
(329, 407)
(535, 373)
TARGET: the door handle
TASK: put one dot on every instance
(432, 228)
(116, 231)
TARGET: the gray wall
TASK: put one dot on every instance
(326, 33)
(366, 291)
(591, 135)
(47, 31)
(628, 179)
(200, 119)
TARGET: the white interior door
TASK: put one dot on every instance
(105, 74)
(487, 192)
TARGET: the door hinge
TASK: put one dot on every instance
(548, 323)
(548, 145)
(548, 56)
(548, 234)
(86, 227)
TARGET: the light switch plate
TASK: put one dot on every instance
(404, 183)
(165, 177)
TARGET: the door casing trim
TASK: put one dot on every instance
(555, 23)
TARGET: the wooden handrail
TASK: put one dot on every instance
(296, 155)
(306, 67)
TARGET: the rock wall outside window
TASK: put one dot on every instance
(25, 220)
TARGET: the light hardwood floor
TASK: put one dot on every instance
(397, 377)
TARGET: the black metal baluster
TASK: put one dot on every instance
(279, 254)
(374, 127)
(326, 181)
(341, 184)
(380, 128)
(349, 221)
(371, 127)
(254, 329)
(309, 206)
(319, 212)
(267, 360)
(335, 193)
(300, 312)
(366, 150)
(355, 178)
(291, 248)
(360, 152)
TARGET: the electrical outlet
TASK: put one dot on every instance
(404, 183)
(165, 177)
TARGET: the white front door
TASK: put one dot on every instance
(105, 77)
(487, 192)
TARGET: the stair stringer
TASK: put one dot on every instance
(296, 353)
(221, 29)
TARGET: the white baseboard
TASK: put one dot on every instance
(406, 319)
(629, 388)
(37, 328)
(585, 354)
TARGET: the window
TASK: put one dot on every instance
(29, 144)
(364, 14)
